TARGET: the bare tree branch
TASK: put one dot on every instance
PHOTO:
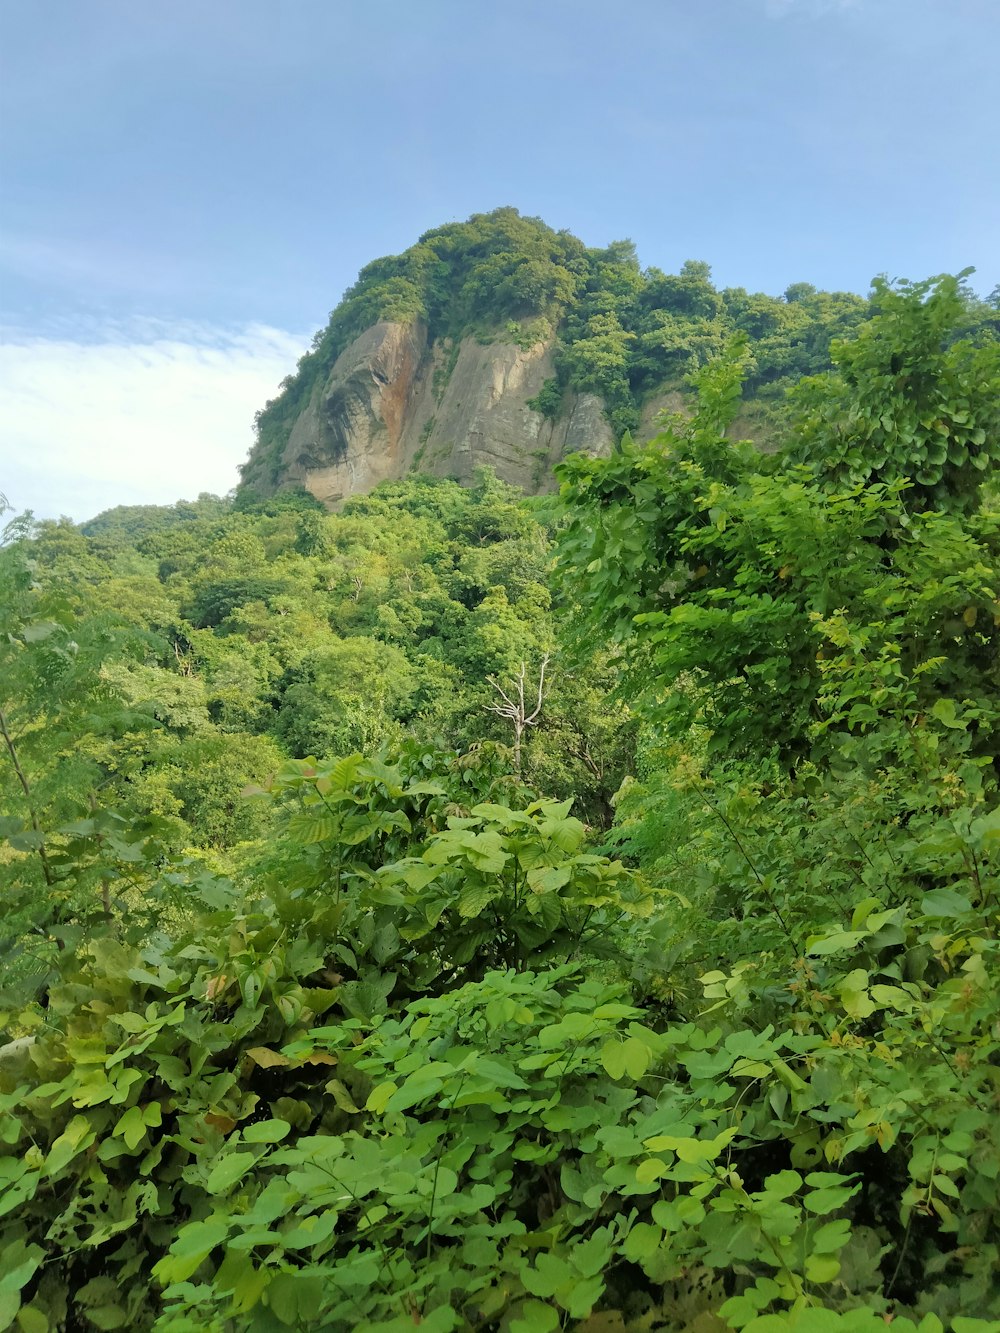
(515, 710)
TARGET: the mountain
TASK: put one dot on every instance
(501, 341)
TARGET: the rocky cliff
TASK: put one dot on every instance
(437, 359)
(396, 402)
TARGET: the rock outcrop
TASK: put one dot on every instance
(394, 403)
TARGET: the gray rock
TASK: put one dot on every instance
(393, 404)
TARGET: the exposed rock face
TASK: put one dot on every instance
(393, 404)
(348, 438)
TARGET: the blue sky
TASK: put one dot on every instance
(187, 189)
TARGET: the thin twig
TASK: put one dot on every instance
(25, 787)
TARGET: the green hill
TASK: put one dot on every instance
(617, 330)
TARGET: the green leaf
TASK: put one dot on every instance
(944, 711)
(652, 1168)
(636, 1056)
(579, 1299)
(613, 1058)
(838, 941)
(28, 840)
(829, 1198)
(228, 1170)
(550, 1272)
(945, 1185)
(108, 1317)
(39, 630)
(77, 1135)
(548, 879)
(131, 1127)
(415, 874)
(296, 1299)
(831, 1236)
(783, 1184)
(548, 910)
(417, 1088)
(931, 1323)
(642, 1241)
(195, 1242)
(32, 1320)
(567, 834)
(475, 896)
(853, 992)
(821, 1267)
(265, 1131)
(312, 827)
(944, 903)
(378, 1097)
(535, 1318)
(18, 1265)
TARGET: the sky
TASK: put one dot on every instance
(187, 189)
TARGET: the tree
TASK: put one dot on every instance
(516, 711)
(909, 399)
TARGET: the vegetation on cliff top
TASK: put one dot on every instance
(621, 331)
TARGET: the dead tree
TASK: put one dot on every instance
(515, 709)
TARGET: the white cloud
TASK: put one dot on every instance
(135, 414)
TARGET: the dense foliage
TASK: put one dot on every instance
(155, 661)
(682, 1018)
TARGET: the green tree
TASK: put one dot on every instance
(721, 569)
(908, 399)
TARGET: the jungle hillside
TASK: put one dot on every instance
(480, 913)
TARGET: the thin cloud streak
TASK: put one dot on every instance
(138, 414)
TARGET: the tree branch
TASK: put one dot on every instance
(25, 787)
